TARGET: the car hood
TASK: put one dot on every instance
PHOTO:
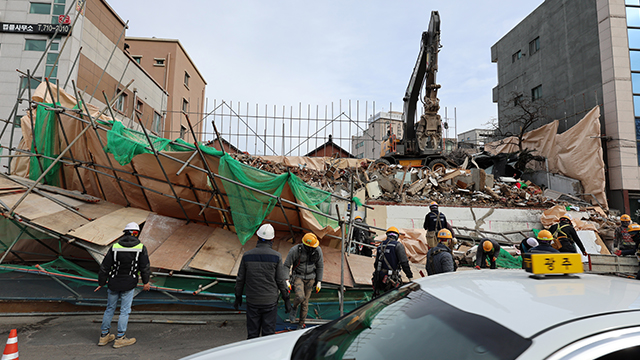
(272, 347)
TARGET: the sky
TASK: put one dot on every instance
(284, 53)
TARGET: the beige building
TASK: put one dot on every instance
(368, 144)
(94, 57)
(168, 62)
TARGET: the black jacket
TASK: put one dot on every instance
(396, 256)
(440, 260)
(261, 275)
(434, 221)
(119, 268)
(543, 249)
(306, 264)
(566, 230)
(481, 254)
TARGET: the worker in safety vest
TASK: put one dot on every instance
(544, 243)
(634, 241)
(390, 257)
(622, 239)
(307, 268)
(362, 237)
(119, 270)
(433, 222)
(440, 258)
(490, 248)
(567, 235)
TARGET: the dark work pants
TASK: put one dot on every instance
(261, 318)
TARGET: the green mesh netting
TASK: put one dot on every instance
(505, 260)
(314, 198)
(249, 208)
(45, 138)
(125, 144)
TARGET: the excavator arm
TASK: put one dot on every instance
(428, 134)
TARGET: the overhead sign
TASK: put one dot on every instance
(63, 29)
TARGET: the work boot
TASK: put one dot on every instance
(105, 339)
(301, 326)
(292, 315)
(123, 341)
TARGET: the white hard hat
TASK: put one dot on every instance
(532, 242)
(132, 227)
(266, 232)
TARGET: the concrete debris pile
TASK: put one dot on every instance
(401, 184)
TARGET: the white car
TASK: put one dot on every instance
(485, 314)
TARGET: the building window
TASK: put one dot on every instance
(137, 58)
(40, 8)
(139, 106)
(17, 121)
(183, 131)
(35, 45)
(158, 62)
(517, 100)
(534, 46)
(58, 9)
(185, 105)
(516, 56)
(33, 83)
(157, 121)
(121, 102)
(536, 93)
(186, 79)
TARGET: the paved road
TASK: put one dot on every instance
(76, 337)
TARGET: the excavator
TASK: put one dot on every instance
(422, 142)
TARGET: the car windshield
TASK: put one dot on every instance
(410, 323)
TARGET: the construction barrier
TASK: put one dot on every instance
(11, 349)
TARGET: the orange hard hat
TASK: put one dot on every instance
(487, 245)
(565, 217)
(311, 240)
(625, 217)
(545, 235)
(393, 229)
(358, 217)
(433, 203)
(444, 234)
(633, 227)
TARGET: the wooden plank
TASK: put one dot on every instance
(65, 221)
(179, 248)
(361, 268)
(9, 184)
(219, 254)
(250, 244)
(332, 268)
(33, 206)
(106, 229)
(157, 229)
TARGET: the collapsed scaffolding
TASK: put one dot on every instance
(55, 152)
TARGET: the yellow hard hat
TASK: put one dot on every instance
(393, 229)
(633, 227)
(444, 234)
(433, 203)
(625, 217)
(487, 245)
(545, 235)
(311, 240)
(358, 217)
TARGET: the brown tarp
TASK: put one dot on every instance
(576, 153)
(191, 184)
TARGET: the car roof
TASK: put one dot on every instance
(530, 306)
